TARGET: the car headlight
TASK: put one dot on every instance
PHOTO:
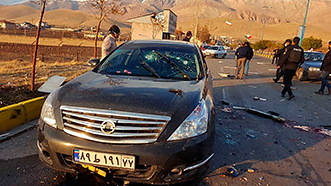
(195, 124)
(314, 69)
(47, 112)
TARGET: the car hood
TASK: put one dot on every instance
(308, 64)
(131, 94)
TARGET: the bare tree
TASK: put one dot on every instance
(34, 59)
(102, 11)
(158, 24)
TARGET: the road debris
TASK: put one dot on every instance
(265, 114)
(228, 110)
(238, 108)
(250, 170)
(226, 75)
(233, 172)
(261, 113)
(243, 179)
(258, 98)
(313, 129)
(273, 113)
(225, 102)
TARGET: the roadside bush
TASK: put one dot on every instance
(261, 45)
(311, 42)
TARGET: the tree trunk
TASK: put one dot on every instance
(36, 46)
(96, 40)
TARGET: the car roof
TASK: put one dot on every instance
(162, 42)
(313, 52)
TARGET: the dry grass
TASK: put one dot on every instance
(15, 77)
(18, 73)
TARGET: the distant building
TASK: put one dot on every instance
(7, 25)
(160, 25)
(43, 24)
(27, 25)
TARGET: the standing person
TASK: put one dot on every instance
(293, 58)
(242, 54)
(188, 36)
(275, 55)
(109, 43)
(249, 58)
(280, 55)
(325, 71)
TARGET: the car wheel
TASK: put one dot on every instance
(216, 56)
(224, 56)
(302, 74)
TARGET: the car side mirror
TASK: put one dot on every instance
(94, 62)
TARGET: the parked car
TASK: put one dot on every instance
(215, 51)
(310, 69)
(145, 114)
(204, 47)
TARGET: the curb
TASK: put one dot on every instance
(18, 130)
(20, 113)
(264, 55)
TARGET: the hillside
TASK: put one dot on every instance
(13, 12)
(283, 19)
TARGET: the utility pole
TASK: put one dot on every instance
(196, 21)
(265, 19)
(304, 23)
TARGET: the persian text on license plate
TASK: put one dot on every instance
(104, 159)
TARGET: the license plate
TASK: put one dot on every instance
(104, 159)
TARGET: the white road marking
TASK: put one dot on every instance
(230, 67)
(272, 69)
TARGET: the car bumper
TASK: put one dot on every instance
(313, 74)
(154, 162)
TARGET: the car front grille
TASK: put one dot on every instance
(130, 128)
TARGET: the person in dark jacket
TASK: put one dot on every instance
(275, 58)
(249, 58)
(293, 58)
(280, 55)
(325, 72)
(188, 36)
(242, 54)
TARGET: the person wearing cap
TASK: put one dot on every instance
(109, 43)
(325, 72)
(280, 54)
(188, 36)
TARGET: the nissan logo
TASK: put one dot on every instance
(108, 127)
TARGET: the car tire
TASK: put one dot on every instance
(302, 74)
(224, 56)
(216, 56)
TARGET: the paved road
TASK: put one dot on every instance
(278, 153)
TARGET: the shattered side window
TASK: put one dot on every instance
(160, 61)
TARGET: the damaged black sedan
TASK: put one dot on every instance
(144, 114)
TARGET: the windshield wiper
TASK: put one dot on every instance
(148, 68)
(182, 72)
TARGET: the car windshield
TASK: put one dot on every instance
(213, 48)
(161, 61)
(314, 56)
